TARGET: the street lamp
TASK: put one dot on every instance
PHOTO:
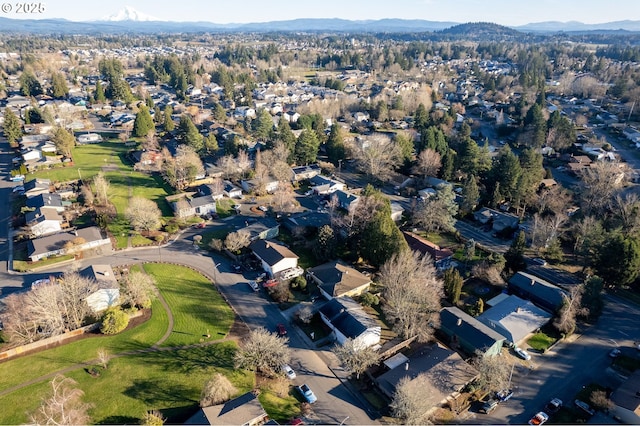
(339, 165)
(215, 273)
(79, 175)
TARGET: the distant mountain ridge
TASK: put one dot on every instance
(131, 21)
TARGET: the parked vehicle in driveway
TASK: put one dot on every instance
(504, 394)
(254, 285)
(270, 283)
(586, 408)
(539, 261)
(281, 330)
(522, 353)
(553, 406)
(489, 406)
(307, 393)
(539, 419)
(17, 178)
(288, 371)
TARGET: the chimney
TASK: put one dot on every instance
(459, 322)
(75, 233)
(406, 366)
(533, 282)
(106, 273)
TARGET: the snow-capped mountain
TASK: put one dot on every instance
(130, 14)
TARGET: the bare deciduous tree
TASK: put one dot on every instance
(182, 169)
(263, 351)
(237, 240)
(139, 289)
(546, 229)
(101, 186)
(354, 357)
(283, 199)
(599, 183)
(143, 214)
(377, 156)
(87, 195)
(412, 294)
(217, 390)
(153, 418)
(627, 208)
(63, 406)
(438, 211)
(429, 162)
(305, 314)
(409, 404)
(103, 357)
(494, 371)
(600, 401)
(565, 321)
(243, 161)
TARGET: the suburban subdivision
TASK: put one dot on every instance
(380, 223)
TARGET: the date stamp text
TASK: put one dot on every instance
(19, 8)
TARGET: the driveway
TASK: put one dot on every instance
(481, 237)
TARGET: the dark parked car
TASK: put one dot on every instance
(281, 329)
(489, 406)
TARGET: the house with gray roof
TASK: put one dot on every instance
(274, 257)
(37, 186)
(435, 372)
(323, 185)
(348, 320)
(345, 199)
(304, 172)
(544, 294)
(464, 332)
(49, 200)
(44, 221)
(107, 293)
(626, 400)
(244, 410)
(306, 221)
(264, 228)
(335, 279)
(195, 206)
(515, 319)
(66, 242)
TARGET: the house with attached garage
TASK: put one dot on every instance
(463, 332)
(230, 190)
(275, 257)
(244, 410)
(36, 187)
(48, 200)
(348, 320)
(335, 279)
(544, 294)
(187, 207)
(304, 172)
(257, 186)
(66, 243)
(263, 228)
(44, 221)
(107, 293)
(322, 185)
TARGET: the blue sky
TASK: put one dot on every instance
(505, 12)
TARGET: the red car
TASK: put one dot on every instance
(281, 329)
(270, 283)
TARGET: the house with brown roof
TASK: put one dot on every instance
(244, 410)
(335, 279)
(424, 246)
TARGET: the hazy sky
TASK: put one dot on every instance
(506, 12)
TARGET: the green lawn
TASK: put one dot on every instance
(168, 380)
(224, 207)
(279, 409)
(23, 265)
(541, 341)
(196, 304)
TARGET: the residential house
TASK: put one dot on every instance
(537, 290)
(361, 116)
(256, 185)
(441, 256)
(396, 211)
(462, 331)
(627, 400)
(66, 242)
(274, 257)
(89, 138)
(323, 185)
(291, 116)
(348, 320)
(305, 172)
(244, 410)
(435, 372)
(150, 160)
(44, 221)
(264, 228)
(31, 155)
(335, 279)
(48, 200)
(578, 163)
(194, 206)
(514, 318)
(345, 199)
(107, 293)
(500, 220)
(214, 191)
(230, 190)
(306, 221)
(36, 187)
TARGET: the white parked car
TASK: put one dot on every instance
(288, 371)
(254, 286)
(522, 353)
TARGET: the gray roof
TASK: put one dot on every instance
(57, 241)
(515, 318)
(45, 200)
(102, 275)
(42, 214)
(468, 329)
(538, 290)
(436, 370)
(270, 251)
(203, 201)
(260, 226)
(627, 395)
(348, 316)
(37, 183)
(244, 409)
(338, 278)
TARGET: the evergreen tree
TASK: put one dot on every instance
(189, 134)
(63, 140)
(219, 113)
(470, 195)
(143, 122)
(168, 123)
(335, 145)
(286, 136)
(99, 95)
(404, 142)
(59, 88)
(618, 260)
(306, 149)
(468, 154)
(420, 118)
(514, 257)
(507, 171)
(448, 161)
(452, 285)
(262, 125)
(12, 126)
(211, 144)
(29, 84)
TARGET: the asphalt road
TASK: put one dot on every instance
(482, 237)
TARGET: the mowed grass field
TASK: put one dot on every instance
(169, 380)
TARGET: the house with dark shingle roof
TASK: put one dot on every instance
(274, 257)
(107, 293)
(48, 200)
(57, 244)
(195, 206)
(36, 187)
(627, 400)
(263, 228)
(44, 221)
(468, 334)
(335, 279)
(244, 410)
(348, 320)
(539, 291)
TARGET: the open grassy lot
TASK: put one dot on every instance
(540, 341)
(168, 380)
(196, 305)
(279, 409)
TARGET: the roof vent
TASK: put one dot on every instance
(459, 322)
(533, 282)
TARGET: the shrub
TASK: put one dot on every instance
(299, 282)
(368, 299)
(114, 321)
(172, 228)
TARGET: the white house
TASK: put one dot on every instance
(348, 320)
(107, 293)
(44, 221)
(274, 257)
(231, 191)
(323, 185)
(57, 244)
(270, 185)
(89, 138)
(31, 155)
